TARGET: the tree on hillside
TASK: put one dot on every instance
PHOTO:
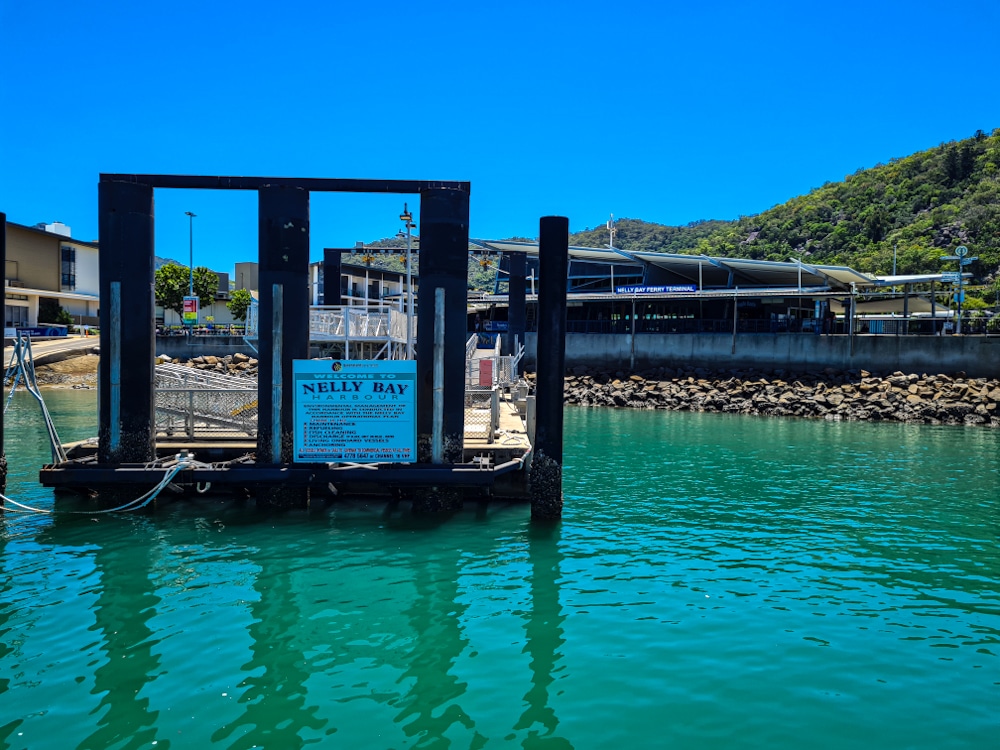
(239, 304)
(172, 283)
(876, 222)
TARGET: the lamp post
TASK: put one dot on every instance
(407, 218)
(190, 252)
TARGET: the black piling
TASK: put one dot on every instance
(516, 315)
(546, 464)
(444, 250)
(126, 402)
(283, 325)
(331, 276)
(3, 390)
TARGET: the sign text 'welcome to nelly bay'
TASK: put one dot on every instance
(361, 411)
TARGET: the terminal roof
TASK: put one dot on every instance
(913, 278)
(707, 271)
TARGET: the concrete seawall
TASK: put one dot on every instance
(978, 356)
(186, 347)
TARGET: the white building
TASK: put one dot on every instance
(44, 262)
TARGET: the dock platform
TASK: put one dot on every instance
(495, 463)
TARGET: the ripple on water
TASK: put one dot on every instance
(715, 581)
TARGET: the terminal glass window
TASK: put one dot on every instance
(68, 267)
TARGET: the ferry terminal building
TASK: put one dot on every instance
(614, 291)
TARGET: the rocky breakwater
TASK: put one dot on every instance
(853, 395)
(237, 365)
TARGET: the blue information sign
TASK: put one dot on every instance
(643, 289)
(355, 411)
(38, 331)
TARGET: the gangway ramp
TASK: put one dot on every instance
(193, 402)
(375, 331)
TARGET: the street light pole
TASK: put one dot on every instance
(190, 252)
(961, 253)
(407, 217)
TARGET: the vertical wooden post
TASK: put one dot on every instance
(444, 251)
(516, 315)
(331, 276)
(546, 465)
(934, 326)
(283, 224)
(126, 421)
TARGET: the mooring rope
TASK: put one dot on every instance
(132, 505)
(25, 368)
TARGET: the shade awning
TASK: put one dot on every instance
(891, 306)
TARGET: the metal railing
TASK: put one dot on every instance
(192, 402)
(338, 323)
(485, 377)
(253, 316)
(346, 324)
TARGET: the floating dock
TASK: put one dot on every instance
(496, 458)
(518, 456)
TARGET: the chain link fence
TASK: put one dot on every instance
(482, 413)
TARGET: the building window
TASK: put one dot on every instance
(68, 268)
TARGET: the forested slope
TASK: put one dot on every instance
(926, 204)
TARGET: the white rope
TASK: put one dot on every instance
(25, 368)
(137, 504)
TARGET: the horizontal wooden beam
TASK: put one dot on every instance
(316, 184)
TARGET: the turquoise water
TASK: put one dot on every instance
(717, 581)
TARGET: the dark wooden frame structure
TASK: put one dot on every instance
(126, 405)
(127, 449)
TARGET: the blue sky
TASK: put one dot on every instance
(668, 112)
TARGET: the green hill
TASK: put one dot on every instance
(926, 204)
(390, 253)
(636, 236)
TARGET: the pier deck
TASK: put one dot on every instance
(226, 460)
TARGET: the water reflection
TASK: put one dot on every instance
(7, 609)
(125, 605)
(543, 626)
(275, 699)
(430, 707)
(760, 582)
